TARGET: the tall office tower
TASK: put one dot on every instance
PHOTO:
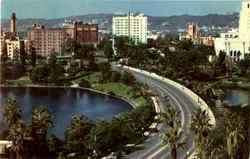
(133, 26)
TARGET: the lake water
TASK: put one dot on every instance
(236, 97)
(64, 103)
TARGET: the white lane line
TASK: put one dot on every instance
(182, 119)
(178, 104)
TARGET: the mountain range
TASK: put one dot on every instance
(171, 24)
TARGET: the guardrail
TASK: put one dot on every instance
(200, 102)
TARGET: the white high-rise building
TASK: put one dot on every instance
(133, 26)
(237, 43)
(244, 24)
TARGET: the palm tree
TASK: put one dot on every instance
(17, 138)
(234, 133)
(200, 124)
(41, 121)
(11, 112)
(169, 116)
(172, 138)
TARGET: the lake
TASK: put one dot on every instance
(63, 103)
(236, 97)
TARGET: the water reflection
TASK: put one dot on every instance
(63, 103)
(237, 97)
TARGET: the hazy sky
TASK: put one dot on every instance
(63, 8)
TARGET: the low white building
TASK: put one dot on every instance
(236, 43)
(133, 26)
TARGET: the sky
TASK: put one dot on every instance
(63, 8)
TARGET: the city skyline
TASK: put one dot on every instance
(46, 9)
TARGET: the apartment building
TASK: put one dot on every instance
(46, 41)
(133, 26)
(50, 40)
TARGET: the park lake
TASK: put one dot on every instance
(64, 103)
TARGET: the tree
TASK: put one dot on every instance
(11, 112)
(169, 116)
(71, 45)
(85, 83)
(244, 65)
(32, 51)
(5, 72)
(17, 136)
(128, 78)
(41, 121)
(234, 132)
(19, 132)
(55, 145)
(40, 73)
(23, 56)
(4, 55)
(171, 137)
(76, 135)
(200, 124)
(18, 70)
(105, 69)
(108, 50)
(56, 70)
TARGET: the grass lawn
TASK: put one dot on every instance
(118, 88)
(92, 78)
(25, 80)
(121, 90)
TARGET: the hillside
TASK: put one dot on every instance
(172, 24)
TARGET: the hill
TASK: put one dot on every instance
(171, 24)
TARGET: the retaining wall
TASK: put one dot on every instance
(198, 100)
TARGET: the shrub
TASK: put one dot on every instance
(85, 83)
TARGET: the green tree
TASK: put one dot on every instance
(169, 116)
(76, 135)
(105, 69)
(41, 122)
(4, 55)
(23, 56)
(244, 65)
(172, 138)
(56, 70)
(40, 73)
(234, 133)
(200, 124)
(11, 112)
(32, 52)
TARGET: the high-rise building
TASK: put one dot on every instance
(244, 24)
(13, 28)
(10, 41)
(50, 40)
(133, 26)
(236, 43)
(14, 46)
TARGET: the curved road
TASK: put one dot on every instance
(152, 148)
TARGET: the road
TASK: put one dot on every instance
(152, 148)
